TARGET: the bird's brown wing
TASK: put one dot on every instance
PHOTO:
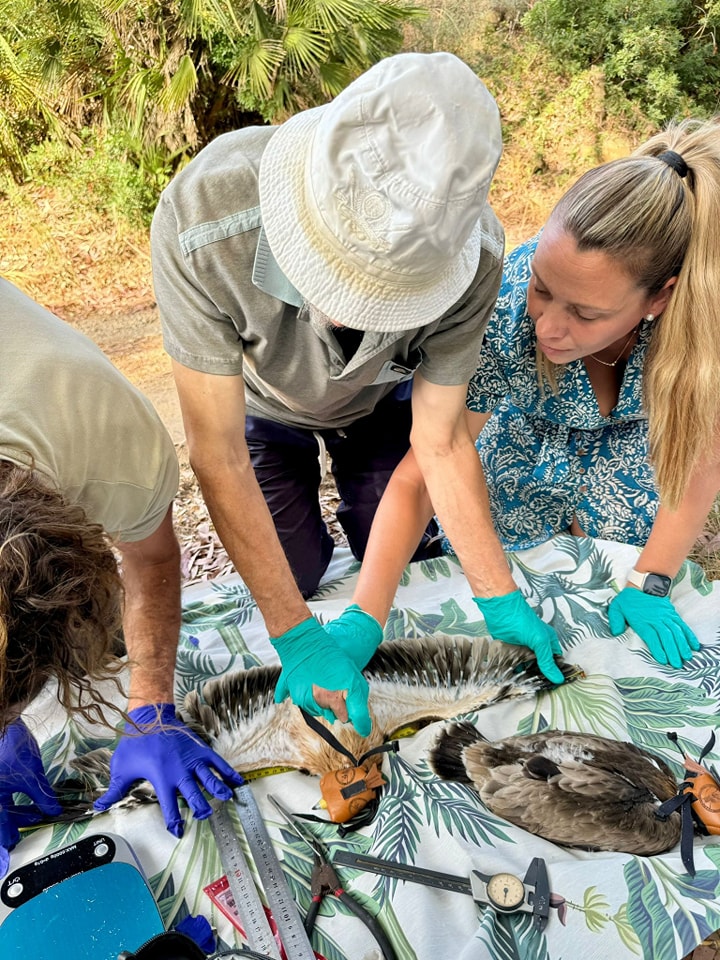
(411, 681)
(239, 718)
(438, 677)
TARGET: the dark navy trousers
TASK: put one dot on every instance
(363, 456)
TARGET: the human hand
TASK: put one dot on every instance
(656, 621)
(357, 633)
(511, 619)
(312, 663)
(21, 771)
(160, 748)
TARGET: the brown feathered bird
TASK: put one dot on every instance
(412, 682)
(574, 789)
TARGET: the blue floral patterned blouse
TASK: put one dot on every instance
(549, 457)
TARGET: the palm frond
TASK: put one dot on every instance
(182, 86)
(306, 50)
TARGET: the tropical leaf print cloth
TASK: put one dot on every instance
(607, 905)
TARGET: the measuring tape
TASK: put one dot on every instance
(266, 772)
(247, 901)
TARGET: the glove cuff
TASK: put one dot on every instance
(495, 603)
(151, 714)
(358, 612)
(299, 639)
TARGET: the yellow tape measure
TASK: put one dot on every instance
(265, 772)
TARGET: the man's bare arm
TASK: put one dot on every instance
(151, 617)
(213, 410)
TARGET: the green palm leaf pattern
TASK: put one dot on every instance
(452, 620)
(615, 905)
(511, 937)
(453, 807)
(592, 704)
(655, 910)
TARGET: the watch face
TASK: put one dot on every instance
(657, 585)
(505, 891)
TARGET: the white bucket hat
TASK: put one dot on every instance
(371, 203)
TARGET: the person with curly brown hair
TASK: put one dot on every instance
(86, 463)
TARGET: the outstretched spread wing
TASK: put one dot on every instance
(438, 677)
(412, 681)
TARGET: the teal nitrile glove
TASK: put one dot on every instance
(309, 656)
(656, 621)
(357, 633)
(511, 619)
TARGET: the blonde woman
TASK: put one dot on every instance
(597, 393)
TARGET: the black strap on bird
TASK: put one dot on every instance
(367, 814)
(683, 800)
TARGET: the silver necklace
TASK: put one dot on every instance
(617, 358)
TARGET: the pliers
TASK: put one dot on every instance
(324, 881)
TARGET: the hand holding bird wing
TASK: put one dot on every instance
(510, 618)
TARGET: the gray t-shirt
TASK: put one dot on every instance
(69, 413)
(227, 309)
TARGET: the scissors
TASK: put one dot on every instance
(324, 881)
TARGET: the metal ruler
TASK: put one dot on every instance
(247, 900)
(401, 871)
(280, 900)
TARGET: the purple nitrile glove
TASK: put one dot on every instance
(510, 618)
(21, 771)
(160, 748)
(309, 656)
(656, 621)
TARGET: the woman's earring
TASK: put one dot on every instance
(649, 317)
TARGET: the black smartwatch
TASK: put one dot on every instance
(656, 584)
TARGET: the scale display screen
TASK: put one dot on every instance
(88, 901)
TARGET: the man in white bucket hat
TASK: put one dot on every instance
(309, 275)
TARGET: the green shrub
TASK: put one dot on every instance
(658, 55)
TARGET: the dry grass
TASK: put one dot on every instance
(70, 256)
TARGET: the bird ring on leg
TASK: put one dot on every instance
(347, 791)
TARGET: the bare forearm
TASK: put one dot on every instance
(151, 624)
(458, 491)
(246, 529)
(151, 616)
(402, 515)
